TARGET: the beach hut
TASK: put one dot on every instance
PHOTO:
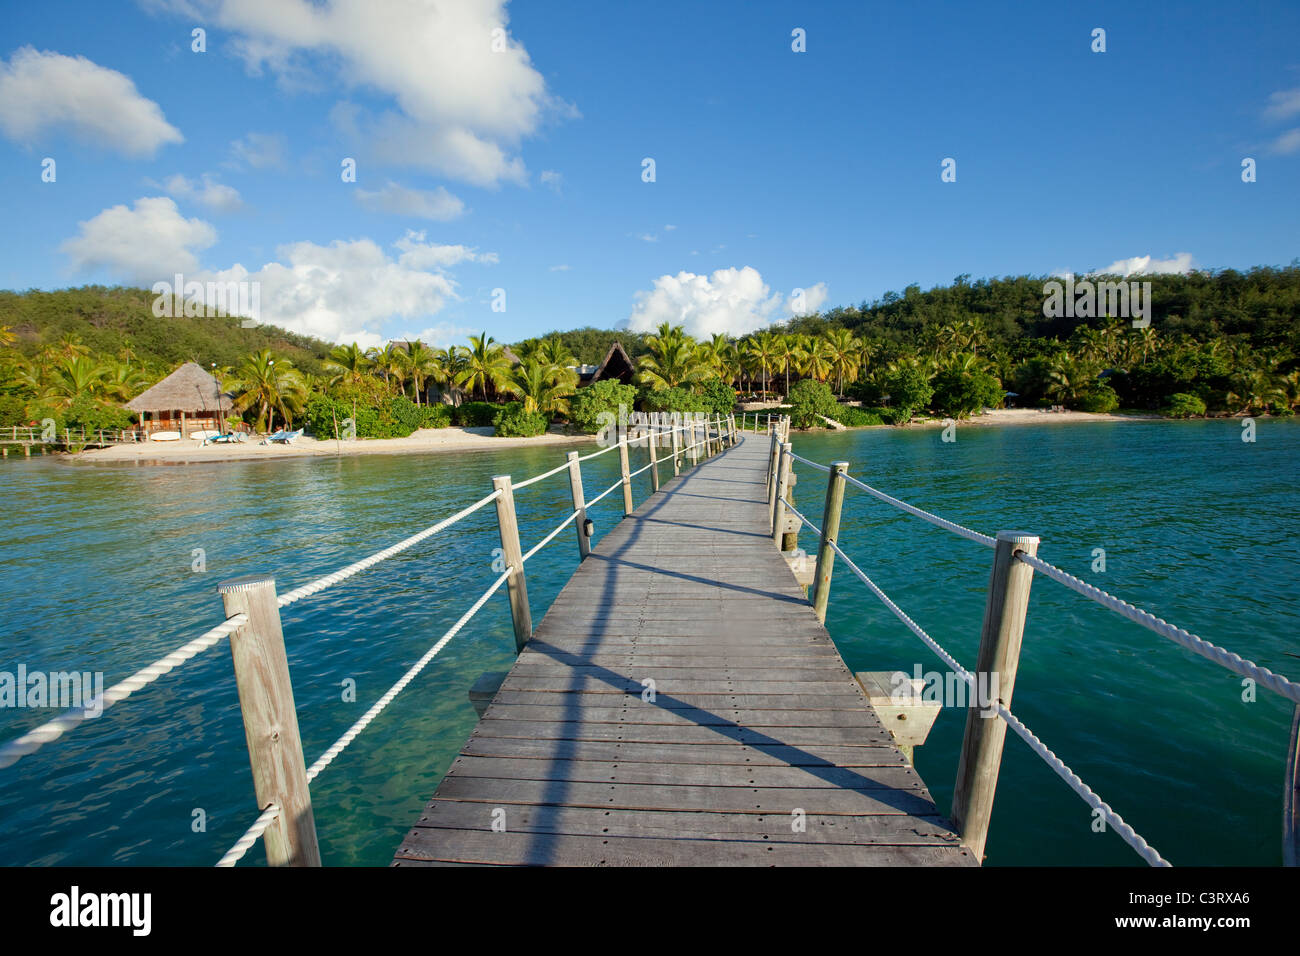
(616, 365)
(189, 399)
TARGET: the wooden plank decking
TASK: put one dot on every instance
(754, 716)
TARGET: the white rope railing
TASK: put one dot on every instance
(612, 488)
(550, 537)
(935, 520)
(37, 738)
(343, 574)
(1197, 645)
(251, 835)
(260, 825)
(811, 464)
(1072, 780)
(542, 477)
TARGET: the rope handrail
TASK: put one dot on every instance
(614, 487)
(818, 466)
(35, 739)
(935, 520)
(1212, 652)
(251, 835)
(260, 825)
(536, 478)
(1197, 645)
(343, 574)
(1072, 780)
(550, 537)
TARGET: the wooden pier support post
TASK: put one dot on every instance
(270, 720)
(782, 486)
(579, 505)
(516, 587)
(627, 472)
(999, 657)
(830, 535)
(654, 456)
(677, 465)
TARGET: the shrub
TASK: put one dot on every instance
(856, 417)
(960, 393)
(403, 415)
(908, 389)
(475, 414)
(719, 397)
(590, 402)
(809, 400)
(435, 416)
(674, 400)
(1102, 399)
(1183, 405)
(513, 422)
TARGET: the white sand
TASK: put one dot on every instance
(426, 440)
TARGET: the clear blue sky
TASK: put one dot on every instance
(522, 169)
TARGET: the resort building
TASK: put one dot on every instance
(187, 400)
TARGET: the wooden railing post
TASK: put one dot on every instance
(270, 720)
(654, 455)
(627, 474)
(579, 505)
(694, 447)
(513, 555)
(830, 535)
(995, 670)
(782, 486)
(677, 465)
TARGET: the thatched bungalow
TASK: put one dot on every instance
(616, 365)
(187, 399)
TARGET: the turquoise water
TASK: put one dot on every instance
(1198, 527)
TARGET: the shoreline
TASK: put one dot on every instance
(461, 439)
(421, 441)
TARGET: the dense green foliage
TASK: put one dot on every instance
(810, 400)
(719, 397)
(513, 422)
(958, 392)
(673, 400)
(474, 414)
(605, 396)
(1182, 405)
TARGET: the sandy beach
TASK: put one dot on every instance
(425, 440)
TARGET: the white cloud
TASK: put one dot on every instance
(734, 301)
(561, 268)
(1283, 105)
(42, 91)
(216, 196)
(458, 107)
(261, 150)
(146, 243)
(551, 178)
(342, 292)
(1287, 143)
(419, 254)
(417, 203)
(440, 336)
(1146, 265)
(669, 228)
(645, 236)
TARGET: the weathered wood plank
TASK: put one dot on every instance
(755, 722)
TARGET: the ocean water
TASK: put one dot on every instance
(97, 573)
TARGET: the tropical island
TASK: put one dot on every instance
(1220, 343)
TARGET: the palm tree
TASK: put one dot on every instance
(844, 350)
(122, 383)
(541, 387)
(785, 351)
(422, 364)
(348, 364)
(7, 336)
(269, 385)
(760, 351)
(674, 359)
(74, 377)
(486, 366)
(816, 359)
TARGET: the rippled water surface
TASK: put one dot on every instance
(1197, 526)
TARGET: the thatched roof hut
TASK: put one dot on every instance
(189, 393)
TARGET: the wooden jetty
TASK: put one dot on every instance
(682, 704)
